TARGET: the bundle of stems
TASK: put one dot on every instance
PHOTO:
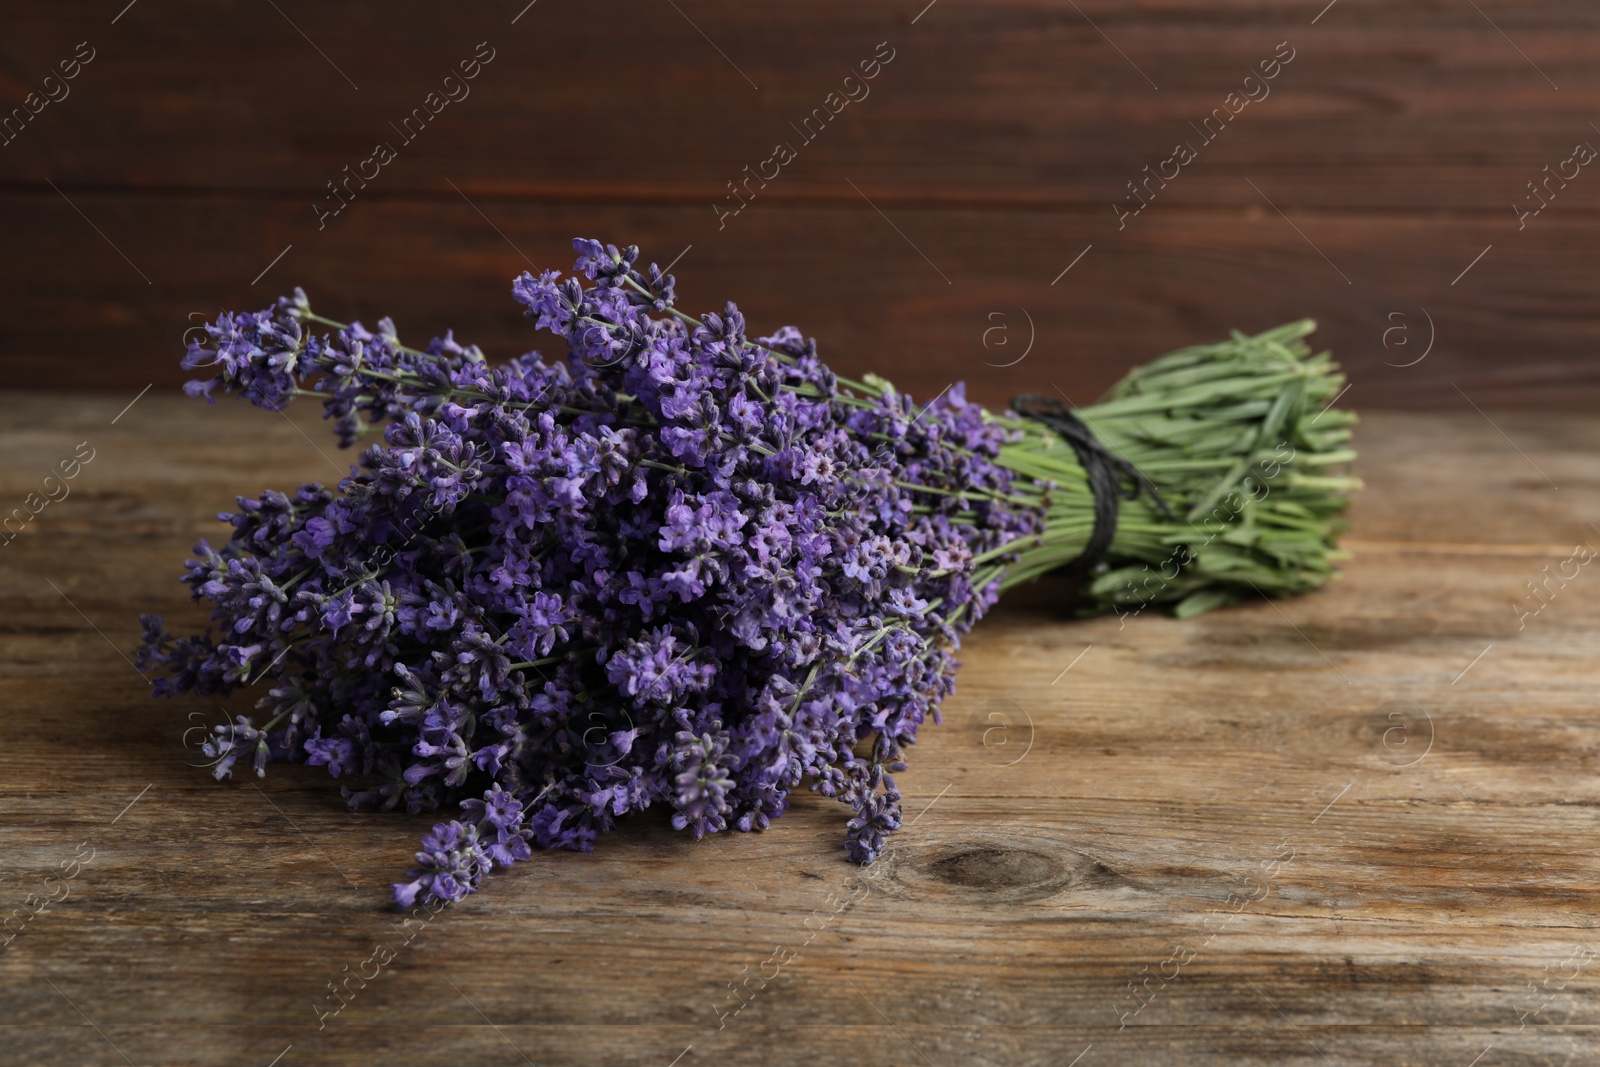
(1241, 442)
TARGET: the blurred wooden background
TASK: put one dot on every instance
(923, 233)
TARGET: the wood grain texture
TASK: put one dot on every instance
(1387, 157)
(874, 303)
(1353, 828)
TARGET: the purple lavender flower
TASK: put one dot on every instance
(682, 567)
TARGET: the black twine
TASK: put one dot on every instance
(1103, 469)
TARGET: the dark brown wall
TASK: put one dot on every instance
(920, 230)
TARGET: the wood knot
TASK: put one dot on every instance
(987, 867)
(994, 868)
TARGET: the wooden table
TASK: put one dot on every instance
(1352, 828)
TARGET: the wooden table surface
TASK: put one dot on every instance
(1357, 827)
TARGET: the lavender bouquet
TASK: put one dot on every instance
(689, 569)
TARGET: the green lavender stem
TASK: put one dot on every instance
(1240, 441)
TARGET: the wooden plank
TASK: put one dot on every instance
(1005, 102)
(1516, 331)
(1126, 818)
